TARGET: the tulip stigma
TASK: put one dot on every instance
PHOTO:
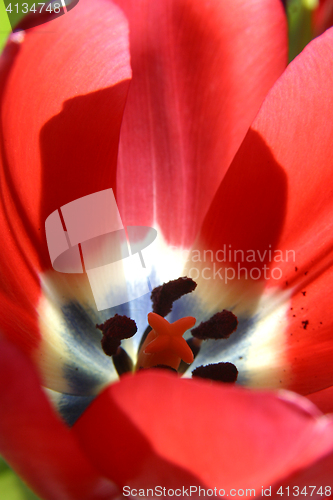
(162, 345)
(165, 344)
(165, 295)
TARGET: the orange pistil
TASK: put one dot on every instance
(165, 345)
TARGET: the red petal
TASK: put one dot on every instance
(63, 95)
(277, 196)
(323, 399)
(36, 443)
(302, 142)
(314, 481)
(154, 428)
(200, 73)
(243, 223)
(309, 346)
(322, 18)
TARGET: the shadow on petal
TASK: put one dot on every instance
(232, 256)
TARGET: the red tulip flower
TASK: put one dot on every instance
(155, 99)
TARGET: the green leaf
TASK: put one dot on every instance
(299, 14)
(11, 486)
(15, 17)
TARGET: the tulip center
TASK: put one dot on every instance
(165, 344)
(162, 344)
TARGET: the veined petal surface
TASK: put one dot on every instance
(200, 72)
